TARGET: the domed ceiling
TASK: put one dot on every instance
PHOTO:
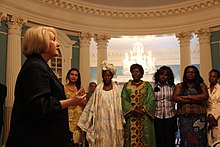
(123, 17)
(134, 3)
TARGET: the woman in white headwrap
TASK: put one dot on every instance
(102, 118)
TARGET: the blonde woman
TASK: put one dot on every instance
(40, 115)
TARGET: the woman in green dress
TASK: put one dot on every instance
(138, 102)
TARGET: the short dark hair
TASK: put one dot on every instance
(138, 66)
(216, 71)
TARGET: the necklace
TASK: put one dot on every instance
(137, 83)
(71, 88)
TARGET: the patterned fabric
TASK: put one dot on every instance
(164, 106)
(214, 109)
(102, 118)
(139, 131)
(74, 113)
(196, 108)
(193, 130)
(193, 123)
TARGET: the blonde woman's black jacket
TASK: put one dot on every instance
(3, 93)
(37, 118)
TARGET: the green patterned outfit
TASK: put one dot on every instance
(139, 130)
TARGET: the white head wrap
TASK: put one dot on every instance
(107, 66)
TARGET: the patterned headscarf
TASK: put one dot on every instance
(107, 66)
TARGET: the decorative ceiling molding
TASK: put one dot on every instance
(216, 28)
(79, 16)
(132, 13)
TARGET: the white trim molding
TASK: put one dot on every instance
(83, 16)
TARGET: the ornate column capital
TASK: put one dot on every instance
(184, 37)
(85, 38)
(86, 35)
(3, 16)
(203, 34)
(15, 22)
(102, 37)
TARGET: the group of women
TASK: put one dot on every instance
(47, 114)
(149, 114)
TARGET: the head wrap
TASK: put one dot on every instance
(107, 66)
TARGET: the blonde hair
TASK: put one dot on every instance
(36, 40)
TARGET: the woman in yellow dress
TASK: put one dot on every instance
(73, 84)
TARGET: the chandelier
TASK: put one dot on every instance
(137, 56)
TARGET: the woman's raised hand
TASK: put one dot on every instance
(80, 92)
(79, 98)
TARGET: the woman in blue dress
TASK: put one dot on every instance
(191, 96)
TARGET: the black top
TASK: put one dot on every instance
(3, 93)
(37, 118)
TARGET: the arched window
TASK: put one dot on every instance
(56, 66)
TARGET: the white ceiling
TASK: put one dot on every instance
(134, 3)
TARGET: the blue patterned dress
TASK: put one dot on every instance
(193, 123)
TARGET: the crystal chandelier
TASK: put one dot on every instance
(137, 56)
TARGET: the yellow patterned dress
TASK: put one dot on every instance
(74, 113)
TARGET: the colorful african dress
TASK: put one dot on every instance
(74, 113)
(102, 118)
(139, 131)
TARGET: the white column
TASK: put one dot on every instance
(101, 40)
(205, 53)
(13, 66)
(185, 57)
(84, 63)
